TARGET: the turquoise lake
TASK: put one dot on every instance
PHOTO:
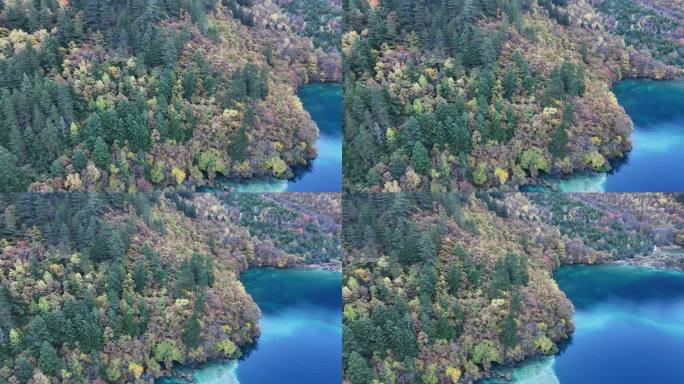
(629, 328)
(323, 101)
(654, 164)
(301, 331)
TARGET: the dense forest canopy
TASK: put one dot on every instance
(128, 95)
(655, 26)
(120, 287)
(439, 288)
(444, 95)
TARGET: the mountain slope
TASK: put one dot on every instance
(440, 288)
(120, 287)
(453, 95)
(133, 95)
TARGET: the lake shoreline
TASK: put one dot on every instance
(504, 372)
(322, 101)
(179, 370)
(654, 108)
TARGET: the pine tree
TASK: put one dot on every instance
(510, 82)
(559, 140)
(410, 134)
(189, 83)
(24, 369)
(185, 281)
(509, 338)
(17, 144)
(501, 280)
(101, 155)
(191, 336)
(454, 279)
(396, 166)
(555, 89)
(444, 329)
(7, 320)
(252, 87)
(12, 177)
(79, 159)
(420, 159)
(115, 280)
(129, 326)
(459, 320)
(411, 247)
(140, 276)
(264, 76)
(358, 370)
(140, 137)
(36, 334)
(239, 144)
(237, 90)
(92, 129)
(49, 361)
(91, 333)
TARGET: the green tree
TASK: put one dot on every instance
(411, 247)
(420, 158)
(101, 155)
(191, 335)
(140, 276)
(36, 334)
(510, 82)
(237, 90)
(240, 141)
(501, 280)
(79, 159)
(509, 337)
(396, 166)
(409, 134)
(115, 279)
(49, 361)
(92, 129)
(91, 333)
(12, 177)
(555, 89)
(358, 370)
(454, 279)
(24, 369)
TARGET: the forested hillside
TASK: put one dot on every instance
(654, 26)
(439, 288)
(321, 20)
(119, 287)
(447, 95)
(132, 95)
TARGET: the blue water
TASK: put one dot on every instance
(323, 101)
(654, 164)
(629, 328)
(301, 331)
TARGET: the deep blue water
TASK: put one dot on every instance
(301, 331)
(629, 328)
(323, 101)
(655, 162)
(301, 324)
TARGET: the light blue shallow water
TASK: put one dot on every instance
(629, 328)
(301, 331)
(655, 162)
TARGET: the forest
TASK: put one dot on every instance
(444, 95)
(114, 288)
(655, 26)
(132, 95)
(442, 288)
